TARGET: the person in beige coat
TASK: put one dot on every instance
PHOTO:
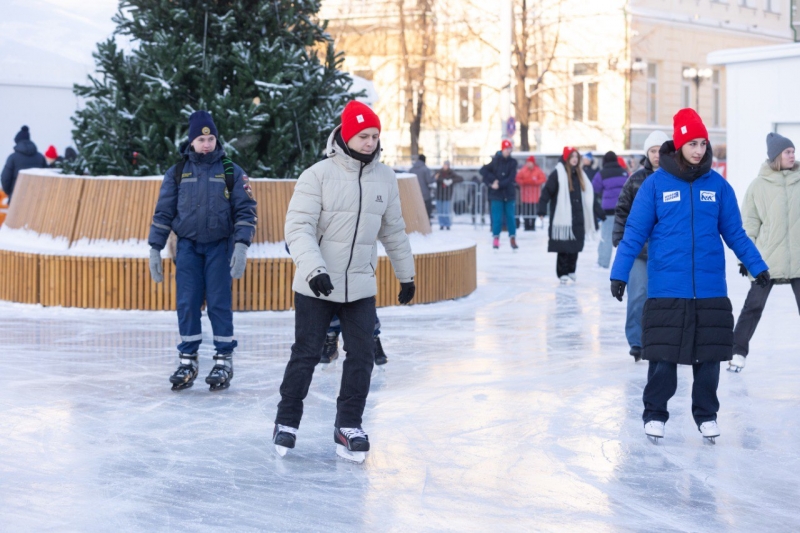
(771, 217)
(340, 208)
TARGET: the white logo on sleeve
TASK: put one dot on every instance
(360, 118)
(672, 196)
(708, 196)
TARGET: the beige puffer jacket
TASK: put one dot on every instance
(334, 220)
(771, 218)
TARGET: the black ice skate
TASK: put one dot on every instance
(352, 444)
(283, 437)
(330, 351)
(380, 355)
(184, 376)
(221, 375)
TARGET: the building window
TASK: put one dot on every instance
(577, 102)
(772, 6)
(584, 92)
(470, 100)
(717, 94)
(593, 88)
(686, 92)
(652, 93)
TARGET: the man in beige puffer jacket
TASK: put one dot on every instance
(771, 218)
(340, 208)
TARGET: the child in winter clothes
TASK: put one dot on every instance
(771, 213)
(683, 209)
(637, 284)
(607, 184)
(340, 208)
(210, 207)
(572, 212)
(530, 179)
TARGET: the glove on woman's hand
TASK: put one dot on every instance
(618, 289)
(407, 291)
(321, 284)
(742, 270)
(156, 268)
(238, 260)
(763, 279)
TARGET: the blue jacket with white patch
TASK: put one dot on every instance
(683, 215)
(201, 208)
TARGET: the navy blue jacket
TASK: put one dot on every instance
(684, 218)
(25, 156)
(504, 170)
(200, 209)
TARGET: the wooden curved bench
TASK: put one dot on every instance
(120, 209)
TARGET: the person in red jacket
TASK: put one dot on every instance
(530, 179)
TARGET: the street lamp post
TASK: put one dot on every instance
(697, 76)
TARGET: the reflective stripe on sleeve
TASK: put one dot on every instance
(243, 223)
(162, 226)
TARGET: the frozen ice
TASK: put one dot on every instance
(516, 408)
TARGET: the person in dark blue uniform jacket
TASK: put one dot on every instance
(211, 209)
(685, 210)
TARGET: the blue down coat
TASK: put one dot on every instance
(201, 208)
(685, 215)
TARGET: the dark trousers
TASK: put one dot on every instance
(312, 318)
(528, 212)
(429, 207)
(566, 263)
(751, 314)
(203, 272)
(662, 382)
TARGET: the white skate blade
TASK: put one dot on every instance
(735, 369)
(654, 439)
(710, 440)
(281, 450)
(347, 455)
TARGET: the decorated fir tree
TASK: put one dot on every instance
(265, 69)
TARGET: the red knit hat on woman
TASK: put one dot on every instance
(51, 152)
(687, 125)
(567, 152)
(357, 117)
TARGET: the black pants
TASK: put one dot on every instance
(751, 314)
(662, 382)
(528, 212)
(429, 206)
(566, 263)
(312, 318)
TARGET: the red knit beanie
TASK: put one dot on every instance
(567, 152)
(505, 144)
(531, 159)
(357, 117)
(51, 152)
(621, 162)
(687, 125)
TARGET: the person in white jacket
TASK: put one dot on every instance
(340, 208)
(771, 218)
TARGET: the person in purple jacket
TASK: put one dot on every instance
(607, 184)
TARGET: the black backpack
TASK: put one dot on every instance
(227, 164)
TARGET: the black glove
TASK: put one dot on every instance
(618, 289)
(321, 284)
(407, 291)
(763, 279)
(742, 270)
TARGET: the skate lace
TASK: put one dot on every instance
(353, 433)
(287, 429)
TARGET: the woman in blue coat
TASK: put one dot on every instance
(684, 211)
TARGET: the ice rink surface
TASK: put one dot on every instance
(515, 409)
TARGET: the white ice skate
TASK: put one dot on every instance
(283, 437)
(352, 444)
(564, 280)
(654, 430)
(710, 431)
(573, 277)
(737, 363)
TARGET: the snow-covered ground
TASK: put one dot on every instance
(515, 409)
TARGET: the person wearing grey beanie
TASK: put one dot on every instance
(770, 210)
(776, 144)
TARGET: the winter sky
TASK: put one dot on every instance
(67, 28)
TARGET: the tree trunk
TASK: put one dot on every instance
(525, 145)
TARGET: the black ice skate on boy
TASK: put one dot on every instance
(352, 444)
(184, 376)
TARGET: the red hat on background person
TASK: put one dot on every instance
(531, 159)
(505, 144)
(567, 152)
(51, 152)
(687, 125)
(356, 117)
(621, 162)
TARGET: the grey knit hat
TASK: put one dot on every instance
(776, 144)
